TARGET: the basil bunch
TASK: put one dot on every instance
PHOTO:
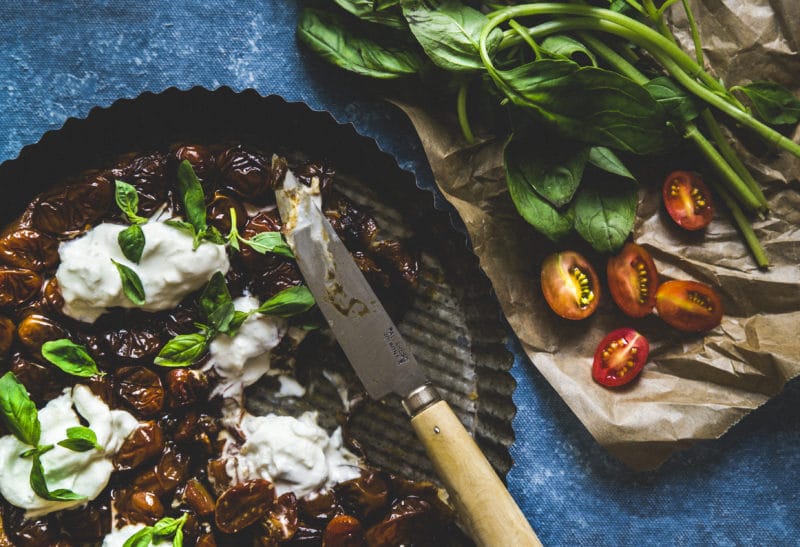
(161, 530)
(20, 416)
(220, 316)
(262, 243)
(561, 77)
(194, 204)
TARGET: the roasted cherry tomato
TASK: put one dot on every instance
(688, 200)
(570, 285)
(689, 306)
(633, 280)
(620, 357)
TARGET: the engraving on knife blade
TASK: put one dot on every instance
(396, 345)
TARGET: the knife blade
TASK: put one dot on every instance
(385, 364)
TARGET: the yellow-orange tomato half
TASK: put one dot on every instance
(570, 285)
(689, 306)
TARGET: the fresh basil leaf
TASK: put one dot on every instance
(533, 208)
(131, 241)
(288, 302)
(182, 351)
(269, 242)
(38, 451)
(329, 37)
(551, 166)
(39, 485)
(18, 411)
(142, 538)
(167, 526)
(773, 103)
(236, 322)
(216, 303)
(131, 284)
(177, 539)
(565, 46)
(192, 197)
(212, 234)
(677, 103)
(80, 439)
(70, 357)
(370, 11)
(128, 201)
(605, 159)
(180, 225)
(604, 214)
(589, 104)
(449, 32)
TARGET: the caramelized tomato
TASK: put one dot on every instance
(689, 306)
(570, 285)
(620, 357)
(688, 200)
(632, 280)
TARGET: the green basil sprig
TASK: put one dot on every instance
(262, 243)
(80, 439)
(128, 201)
(131, 239)
(131, 284)
(162, 529)
(218, 311)
(70, 357)
(22, 419)
(194, 204)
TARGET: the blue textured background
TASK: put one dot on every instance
(58, 59)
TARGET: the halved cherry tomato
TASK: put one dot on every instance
(570, 285)
(688, 200)
(689, 306)
(620, 357)
(632, 280)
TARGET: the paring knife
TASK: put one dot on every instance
(385, 365)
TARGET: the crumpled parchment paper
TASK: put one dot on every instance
(694, 386)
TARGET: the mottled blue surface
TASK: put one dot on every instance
(59, 59)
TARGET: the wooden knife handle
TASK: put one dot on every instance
(482, 501)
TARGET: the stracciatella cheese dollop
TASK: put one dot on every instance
(169, 269)
(242, 359)
(295, 454)
(85, 473)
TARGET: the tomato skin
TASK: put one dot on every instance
(689, 306)
(633, 280)
(687, 200)
(620, 357)
(570, 285)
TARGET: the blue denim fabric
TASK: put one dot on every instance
(58, 59)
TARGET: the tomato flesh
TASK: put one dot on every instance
(620, 357)
(570, 285)
(689, 306)
(688, 200)
(632, 280)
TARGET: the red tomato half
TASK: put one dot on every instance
(688, 200)
(620, 357)
(689, 306)
(570, 285)
(632, 280)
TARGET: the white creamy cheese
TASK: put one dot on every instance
(295, 454)
(117, 538)
(169, 269)
(242, 359)
(85, 473)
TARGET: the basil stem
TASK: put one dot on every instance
(463, 119)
